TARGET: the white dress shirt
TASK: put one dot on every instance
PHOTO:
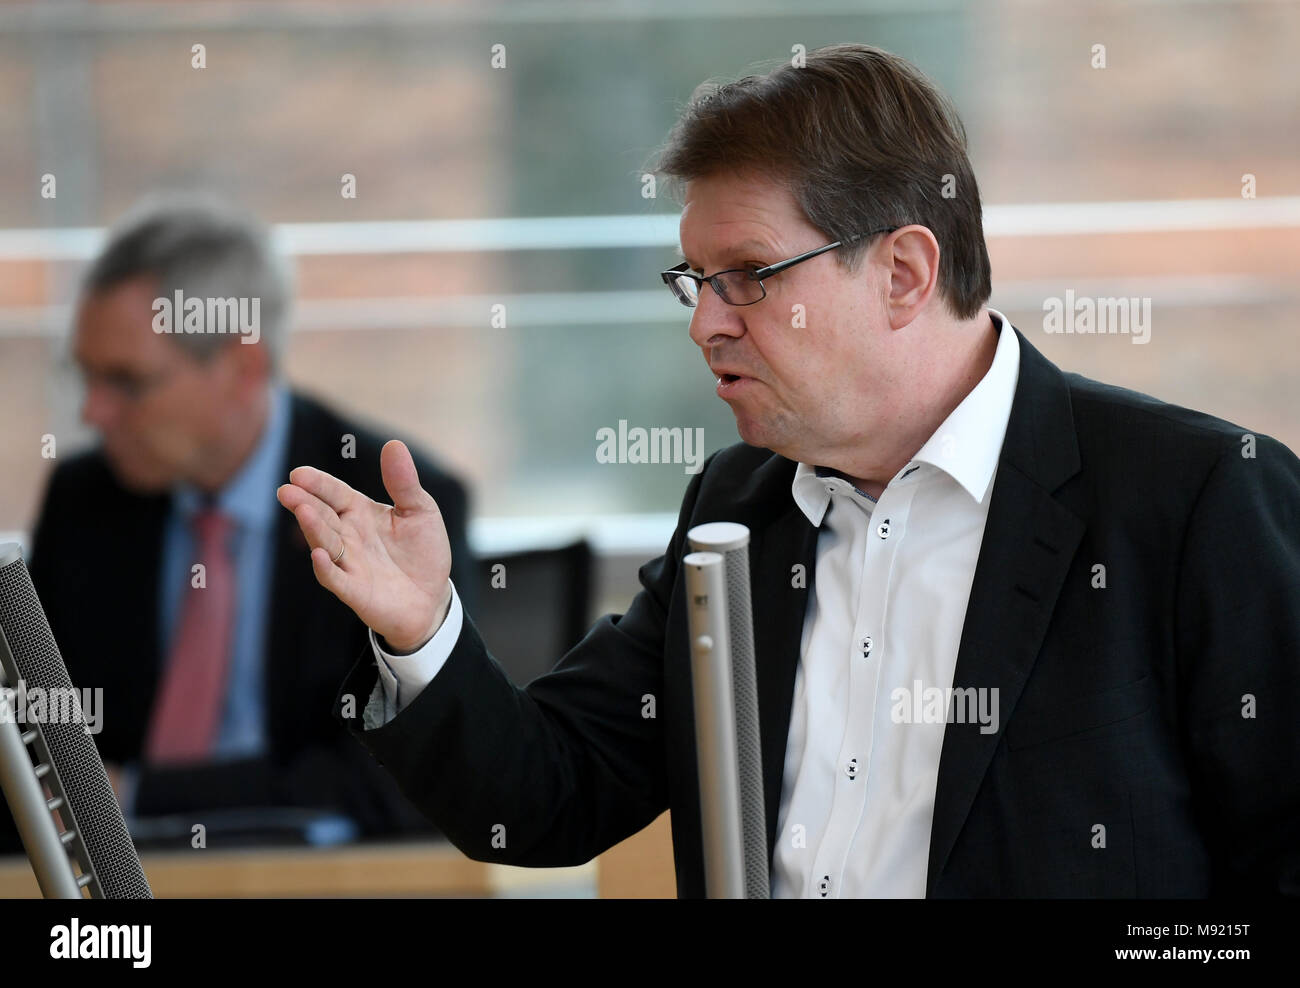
(886, 614)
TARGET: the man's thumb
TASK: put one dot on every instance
(400, 478)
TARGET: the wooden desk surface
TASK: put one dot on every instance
(639, 867)
(423, 869)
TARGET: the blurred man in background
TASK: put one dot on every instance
(170, 579)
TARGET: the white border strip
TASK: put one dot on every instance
(609, 535)
(1044, 219)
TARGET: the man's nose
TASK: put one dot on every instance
(98, 406)
(713, 319)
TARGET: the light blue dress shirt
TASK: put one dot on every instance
(248, 499)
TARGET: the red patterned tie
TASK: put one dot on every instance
(187, 710)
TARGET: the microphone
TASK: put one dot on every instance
(94, 854)
(722, 649)
(715, 727)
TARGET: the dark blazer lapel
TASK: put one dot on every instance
(288, 596)
(1029, 542)
(139, 533)
(779, 608)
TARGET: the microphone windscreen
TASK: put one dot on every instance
(94, 807)
(731, 541)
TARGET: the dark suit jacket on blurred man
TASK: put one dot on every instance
(216, 690)
(96, 564)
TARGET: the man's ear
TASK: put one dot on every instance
(914, 272)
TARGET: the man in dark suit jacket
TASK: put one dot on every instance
(1132, 602)
(100, 545)
(96, 562)
(1120, 707)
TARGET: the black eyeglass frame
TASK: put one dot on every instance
(756, 274)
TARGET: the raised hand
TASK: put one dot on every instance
(390, 564)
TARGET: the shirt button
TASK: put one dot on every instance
(851, 769)
(825, 885)
(883, 529)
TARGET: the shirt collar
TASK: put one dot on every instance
(813, 487)
(966, 445)
(249, 496)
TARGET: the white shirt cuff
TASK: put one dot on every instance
(403, 676)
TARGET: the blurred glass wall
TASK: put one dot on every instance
(505, 346)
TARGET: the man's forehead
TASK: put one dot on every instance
(728, 248)
(730, 214)
(760, 207)
(116, 325)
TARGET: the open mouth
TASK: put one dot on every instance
(729, 378)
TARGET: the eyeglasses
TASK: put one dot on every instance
(125, 386)
(743, 286)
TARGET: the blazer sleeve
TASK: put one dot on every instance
(1238, 646)
(550, 774)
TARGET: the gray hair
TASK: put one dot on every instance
(205, 248)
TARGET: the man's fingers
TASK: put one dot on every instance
(333, 578)
(292, 496)
(323, 531)
(331, 490)
(400, 478)
(321, 527)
